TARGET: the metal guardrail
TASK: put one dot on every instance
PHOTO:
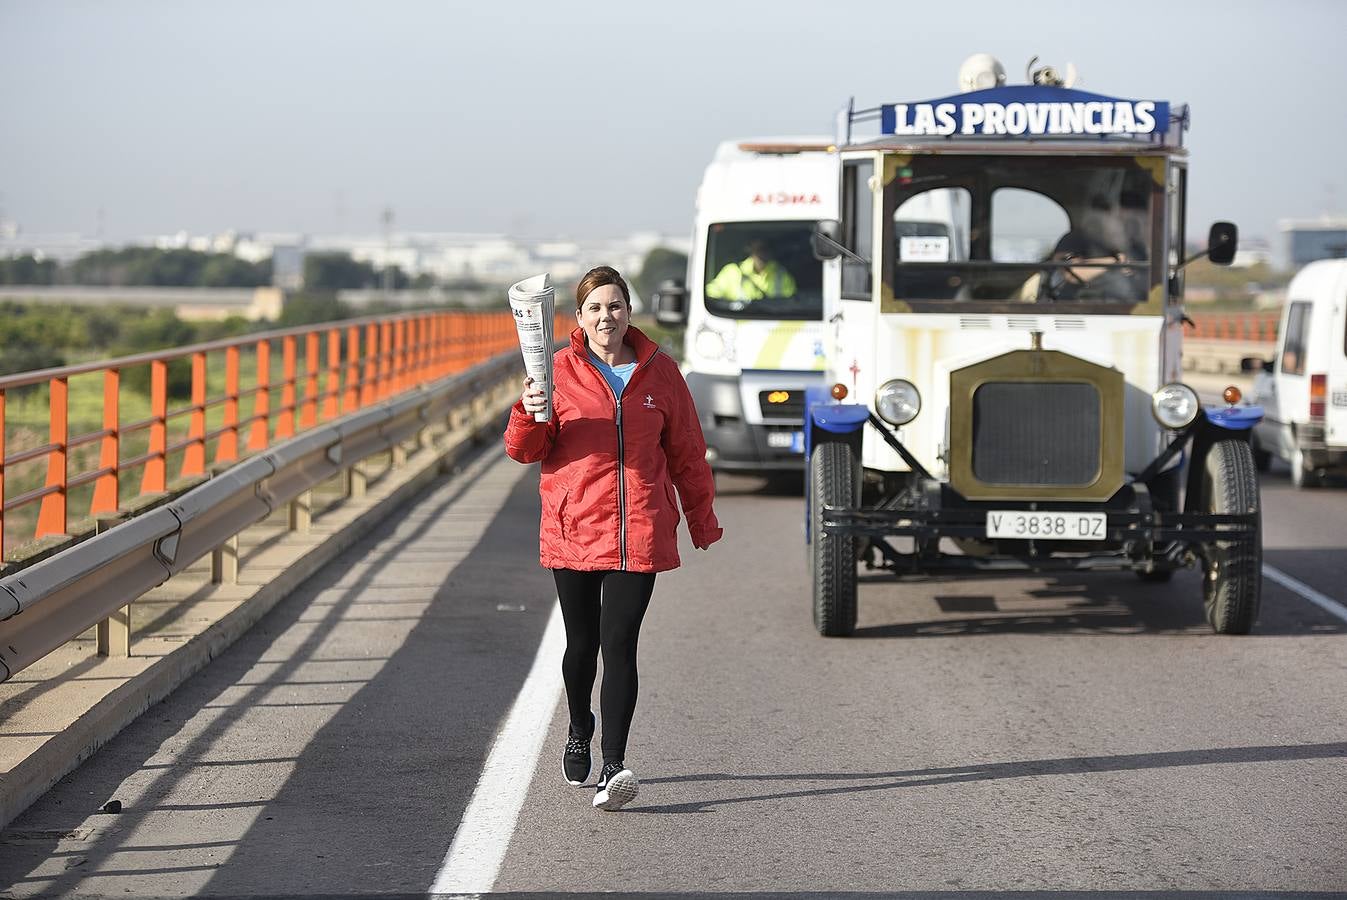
(58, 598)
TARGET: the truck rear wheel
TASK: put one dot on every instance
(1233, 574)
(832, 482)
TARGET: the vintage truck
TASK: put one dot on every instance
(1003, 324)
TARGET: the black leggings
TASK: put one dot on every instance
(611, 624)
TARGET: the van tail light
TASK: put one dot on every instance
(1318, 392)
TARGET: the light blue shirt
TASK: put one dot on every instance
(616, 376)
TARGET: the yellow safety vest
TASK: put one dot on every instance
(738, 281)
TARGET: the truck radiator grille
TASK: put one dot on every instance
(1030, 434)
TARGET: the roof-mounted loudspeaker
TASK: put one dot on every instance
(981, 71)
(1049, 75)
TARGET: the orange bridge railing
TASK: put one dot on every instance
(207, 406)
(1256, 327)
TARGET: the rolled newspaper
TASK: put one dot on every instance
(533, 304)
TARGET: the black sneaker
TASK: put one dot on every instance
(576, 762)
(617, 787)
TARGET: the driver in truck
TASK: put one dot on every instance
(1089, 261)
(757, 277)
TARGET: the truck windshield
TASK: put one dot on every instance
(763, 270)
(995, 232)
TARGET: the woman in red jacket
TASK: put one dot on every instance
(623, 435)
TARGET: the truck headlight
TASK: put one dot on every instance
(1175, 405)
(710, 344)
(897, 401)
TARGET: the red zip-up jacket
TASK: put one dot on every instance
(609, 469)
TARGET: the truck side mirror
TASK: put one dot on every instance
(1254, 364)
(825, 240)
(671, 303)
(1222, 241)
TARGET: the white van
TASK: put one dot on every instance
(750, 351)
(1303, 391)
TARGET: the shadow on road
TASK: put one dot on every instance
(770, 484)
(1115, 603)
(865, 782)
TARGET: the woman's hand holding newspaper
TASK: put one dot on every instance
(533, 303)
(534, 398)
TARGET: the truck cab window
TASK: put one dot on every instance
(1293, 349)
(1037, 230)
(929, 228)
(858, 226)
(1025, 225)
(763, 270)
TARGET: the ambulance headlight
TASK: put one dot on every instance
(1175, 405)
(897, 401)
(710, 344)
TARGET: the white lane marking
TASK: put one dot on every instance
(1323, 601)
(475, 856)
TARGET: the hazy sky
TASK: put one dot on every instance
(594, 118)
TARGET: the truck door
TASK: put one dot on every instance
(1288, 402)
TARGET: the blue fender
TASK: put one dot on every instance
(1234, 418)
(821, 411)
(831, 416)
(839, 418)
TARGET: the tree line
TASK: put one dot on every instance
(155, 267)
(138, 267)
(339, 272)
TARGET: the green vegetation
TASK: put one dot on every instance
(660, 264)
(669, 339)
(41, 335)
(1226, 288)
(338, 271)
(27, 270)
(152, 267)
(139, 267)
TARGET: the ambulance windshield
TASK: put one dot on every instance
(990, 231)
(763, 270)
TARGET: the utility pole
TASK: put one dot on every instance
(387, 219)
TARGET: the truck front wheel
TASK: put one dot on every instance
(832, 482)
(1233, 574)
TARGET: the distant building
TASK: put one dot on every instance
(60, 247)
(287, 266)
(1252, 252)
(1311, 239)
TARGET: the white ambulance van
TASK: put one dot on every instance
(1303, 391)
(753, 303)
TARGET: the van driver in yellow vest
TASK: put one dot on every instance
(756, 278)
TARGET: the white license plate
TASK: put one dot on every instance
(1057, 526)
(786, 440)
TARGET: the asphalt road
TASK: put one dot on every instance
(1039, 734)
